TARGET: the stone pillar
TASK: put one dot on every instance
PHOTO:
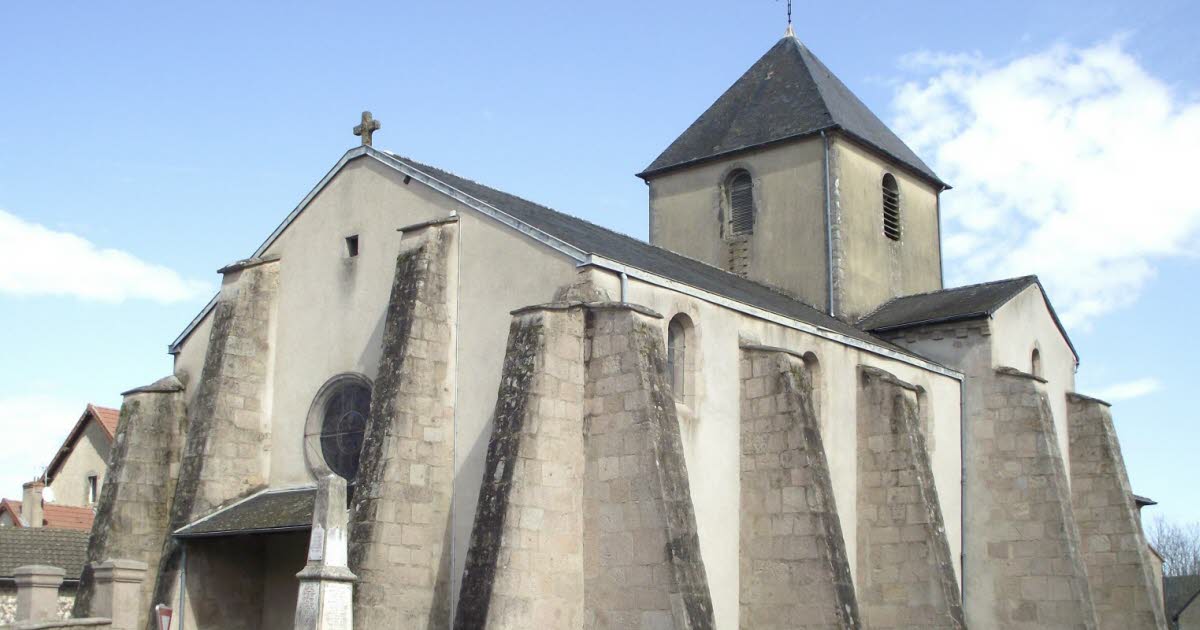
(642, 564)
(37, 592)
(326, 584)
(524, 568)
(132, 514)
(905, 572)
(794, 571)
(1025, 537)
(31, 503)
(1114, 549)
(399, 523)
(228, 434)
(119, 592)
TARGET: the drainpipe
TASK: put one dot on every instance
(183, 589)
(828, 225)
(962, 502)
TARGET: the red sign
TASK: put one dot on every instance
(164, 616)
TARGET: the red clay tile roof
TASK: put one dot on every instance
(57, 516)
(108, 419)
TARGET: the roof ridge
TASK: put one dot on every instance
(774, 289)
(959, 288)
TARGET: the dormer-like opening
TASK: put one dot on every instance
(891, 207)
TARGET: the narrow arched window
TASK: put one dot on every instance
(1035, 363)
(679, 361)
(741, 203)
(891, 208)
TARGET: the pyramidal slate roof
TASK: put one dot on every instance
(786, 94)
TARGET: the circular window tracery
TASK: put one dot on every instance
(336, 425)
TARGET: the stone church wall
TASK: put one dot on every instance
(132, 514)
(794, 571)
(525, 565)
(905, 571)
(1112, 543)
(399, 524)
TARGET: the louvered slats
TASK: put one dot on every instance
(891, 208)
(741, 203)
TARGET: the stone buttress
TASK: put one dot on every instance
(905, 573)
(132, 514)
(794, 571)
(585, 424)
(1019, 480)
(1113, 546)
(524, 568)
(401, 506)
(228, 436)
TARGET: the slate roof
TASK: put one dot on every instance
(63, 548)
(57, 516)
(601, 241)
(1178, 594)
(956, 304)
(786, 94)
(268, 511)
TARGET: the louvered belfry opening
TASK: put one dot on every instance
(891, 208)
(741, 204)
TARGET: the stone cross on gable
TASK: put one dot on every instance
(326, 584)
(367, 127)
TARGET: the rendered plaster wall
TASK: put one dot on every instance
(688, 212)
(284, 556)
(1022, 325)
(794, 572)
(524, 568)
(905, 574)
(399, 524)
(711, 434)
(870, 268)
(1114, 549)
(225, 584)
(133, 511)
(89, 456)
(1189, 619)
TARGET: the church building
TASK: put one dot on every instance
(772, 415)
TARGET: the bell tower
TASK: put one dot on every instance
(790, 180)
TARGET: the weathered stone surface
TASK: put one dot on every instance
(905, 573)
(324, 599)
(642, 559)
(133, 512)
(1111, 539)
(524, 568)
(794, 572)
(227, 436)
(1037, 574)
(400, 517)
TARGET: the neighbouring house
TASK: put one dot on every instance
(21, 546)
(1181, 598)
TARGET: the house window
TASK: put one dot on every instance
(337, 422)
(679, 359)
(1035, 363)
(93, 494)
(891, 207)
(741, 203)
(351, 246)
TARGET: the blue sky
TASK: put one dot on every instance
(142, 146)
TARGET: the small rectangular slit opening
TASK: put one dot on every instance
(351, 246)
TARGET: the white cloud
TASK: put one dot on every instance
(33, 427)
(36, 260)
(1129, 389)
(1071, 163)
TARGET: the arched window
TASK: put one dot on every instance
(1035, 363)
(336, 423)
(741, 203)
(891, 207)
(679, 359)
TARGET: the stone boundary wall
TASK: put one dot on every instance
(794, 571)
(400, 518)
(642, 559)
(226, 438)
(1112, 543)
(8, 603)
(905, 571)
(1037, 574)
(131, 517)
(524, 568)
